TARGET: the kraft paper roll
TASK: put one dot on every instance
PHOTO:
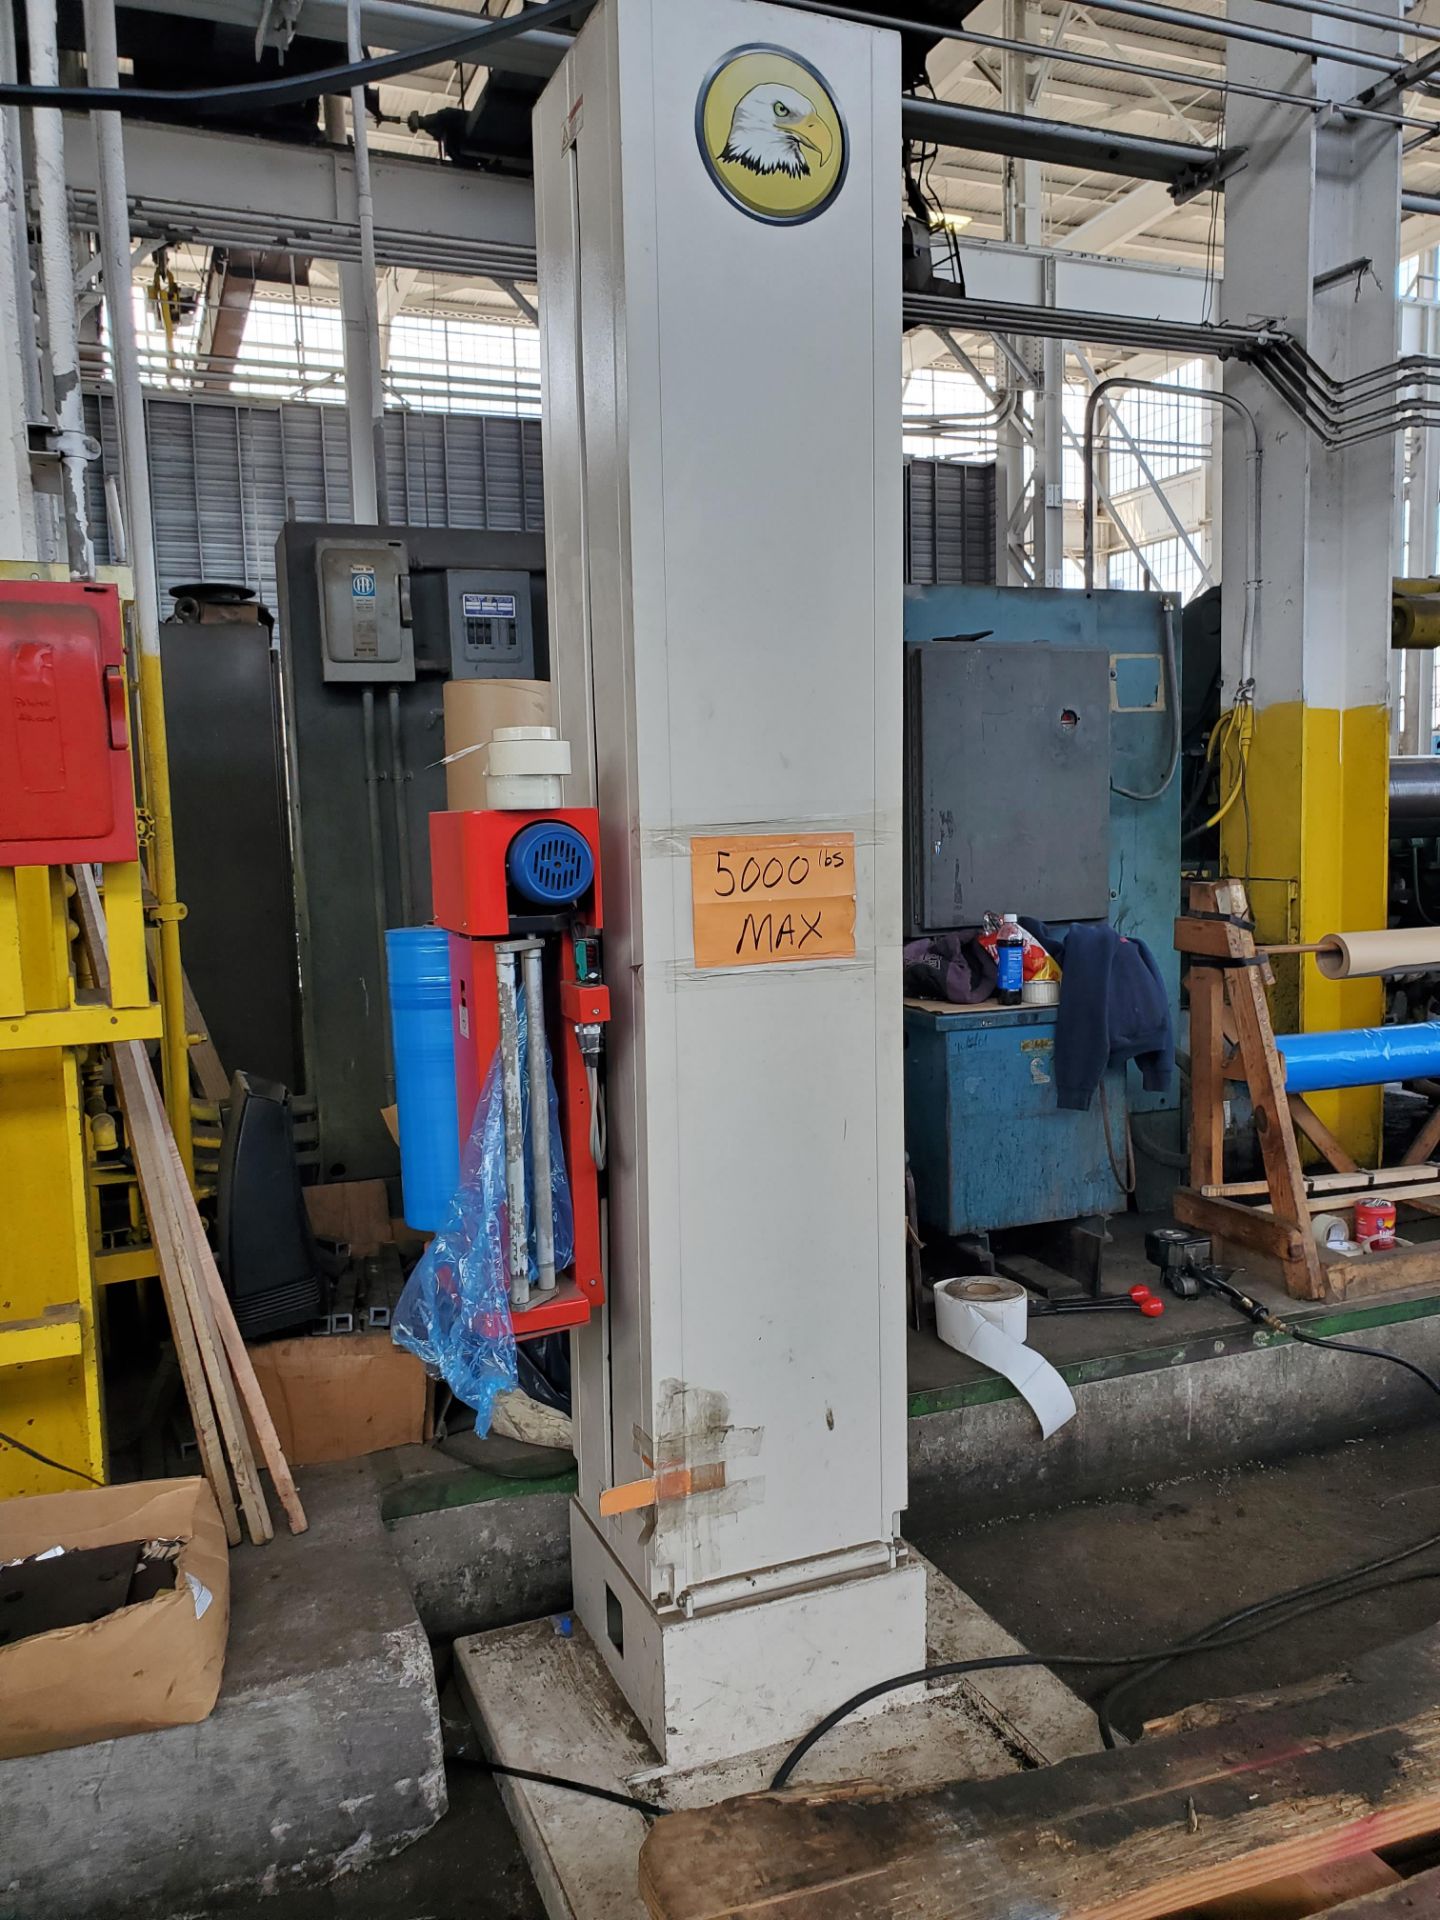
(1357, 956)
(986, 1319)
(474, 709)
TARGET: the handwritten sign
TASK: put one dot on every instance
(768, 897)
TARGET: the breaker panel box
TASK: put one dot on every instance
(365, 610)
(479, 619)
(66, 786)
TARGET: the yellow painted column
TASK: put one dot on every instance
(1313, 839)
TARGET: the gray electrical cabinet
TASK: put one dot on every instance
(1007, 783)
(365, 611)
(485, 611)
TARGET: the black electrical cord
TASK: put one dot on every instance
(9, 1440)
(1130, 1681)
(1287, 1606)
(289, 89)
(629, 1801)
(1371, 1353)
(1212, 1641)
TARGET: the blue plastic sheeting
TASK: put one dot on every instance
(455, 1311)
(1359, 1056)
(418, 963)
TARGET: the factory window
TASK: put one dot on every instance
(464, 366)
(947, 416)
(1170, 433)
(1169, 564)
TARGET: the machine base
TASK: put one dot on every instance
(541, 1697)
(799, 1652)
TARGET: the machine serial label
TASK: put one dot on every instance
(761, 898)
(487, 606)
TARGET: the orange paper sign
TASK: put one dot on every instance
(762, 898)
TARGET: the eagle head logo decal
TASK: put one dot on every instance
(771, 135)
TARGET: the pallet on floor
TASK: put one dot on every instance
(1205, 1819)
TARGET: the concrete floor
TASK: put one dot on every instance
(1125, 1574)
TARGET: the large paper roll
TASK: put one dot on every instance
(474, 709)
(1357, 956)
(986, 1319)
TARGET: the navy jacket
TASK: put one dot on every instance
(1113, 1008)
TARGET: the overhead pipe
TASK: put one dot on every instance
(114, 233)
(57, 275)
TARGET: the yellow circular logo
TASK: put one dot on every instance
(771, 135)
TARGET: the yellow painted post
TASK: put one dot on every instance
(1316, 848)
(175, 1046)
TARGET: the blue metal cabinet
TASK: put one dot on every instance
(988, 1146)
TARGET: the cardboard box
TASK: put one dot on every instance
(473, 710)
(157, 1664)
(333, 1396)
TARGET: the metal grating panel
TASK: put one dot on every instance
(222, 473)
(950, 531)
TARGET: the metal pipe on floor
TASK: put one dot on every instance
(539, 1117)
(57, 274)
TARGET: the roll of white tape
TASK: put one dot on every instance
(986, 1319)
(1004, 1303)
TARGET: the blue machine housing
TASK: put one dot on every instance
(988, 1146)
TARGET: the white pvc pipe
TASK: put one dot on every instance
(57, 273)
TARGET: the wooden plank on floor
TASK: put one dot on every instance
(1131, 1835)
(1299, 1895)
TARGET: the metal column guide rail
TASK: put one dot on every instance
(714, 189)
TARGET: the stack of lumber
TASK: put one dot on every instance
(219, 1379)
(1276, 1812)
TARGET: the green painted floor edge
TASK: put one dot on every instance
(983, 1392)
(463, 1487)
(475, 1486)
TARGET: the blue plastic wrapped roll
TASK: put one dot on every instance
(1359, 1056)
(424, 1041)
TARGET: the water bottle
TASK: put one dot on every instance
(1009, 962)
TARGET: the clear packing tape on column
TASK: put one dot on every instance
(454, 1313)
(987, 1320)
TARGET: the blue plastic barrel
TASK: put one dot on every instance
(1360, 1056)
(424, 1041)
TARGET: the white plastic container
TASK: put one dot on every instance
(525, 768)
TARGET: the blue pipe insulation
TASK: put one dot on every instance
(424, 1040)
(1360, 1056)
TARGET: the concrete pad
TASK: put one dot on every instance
(322, 1755)
(542, 1698)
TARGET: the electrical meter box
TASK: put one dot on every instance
(66, 785)
(365, 610)
(482, 616)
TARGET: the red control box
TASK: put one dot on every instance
(66, 786)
